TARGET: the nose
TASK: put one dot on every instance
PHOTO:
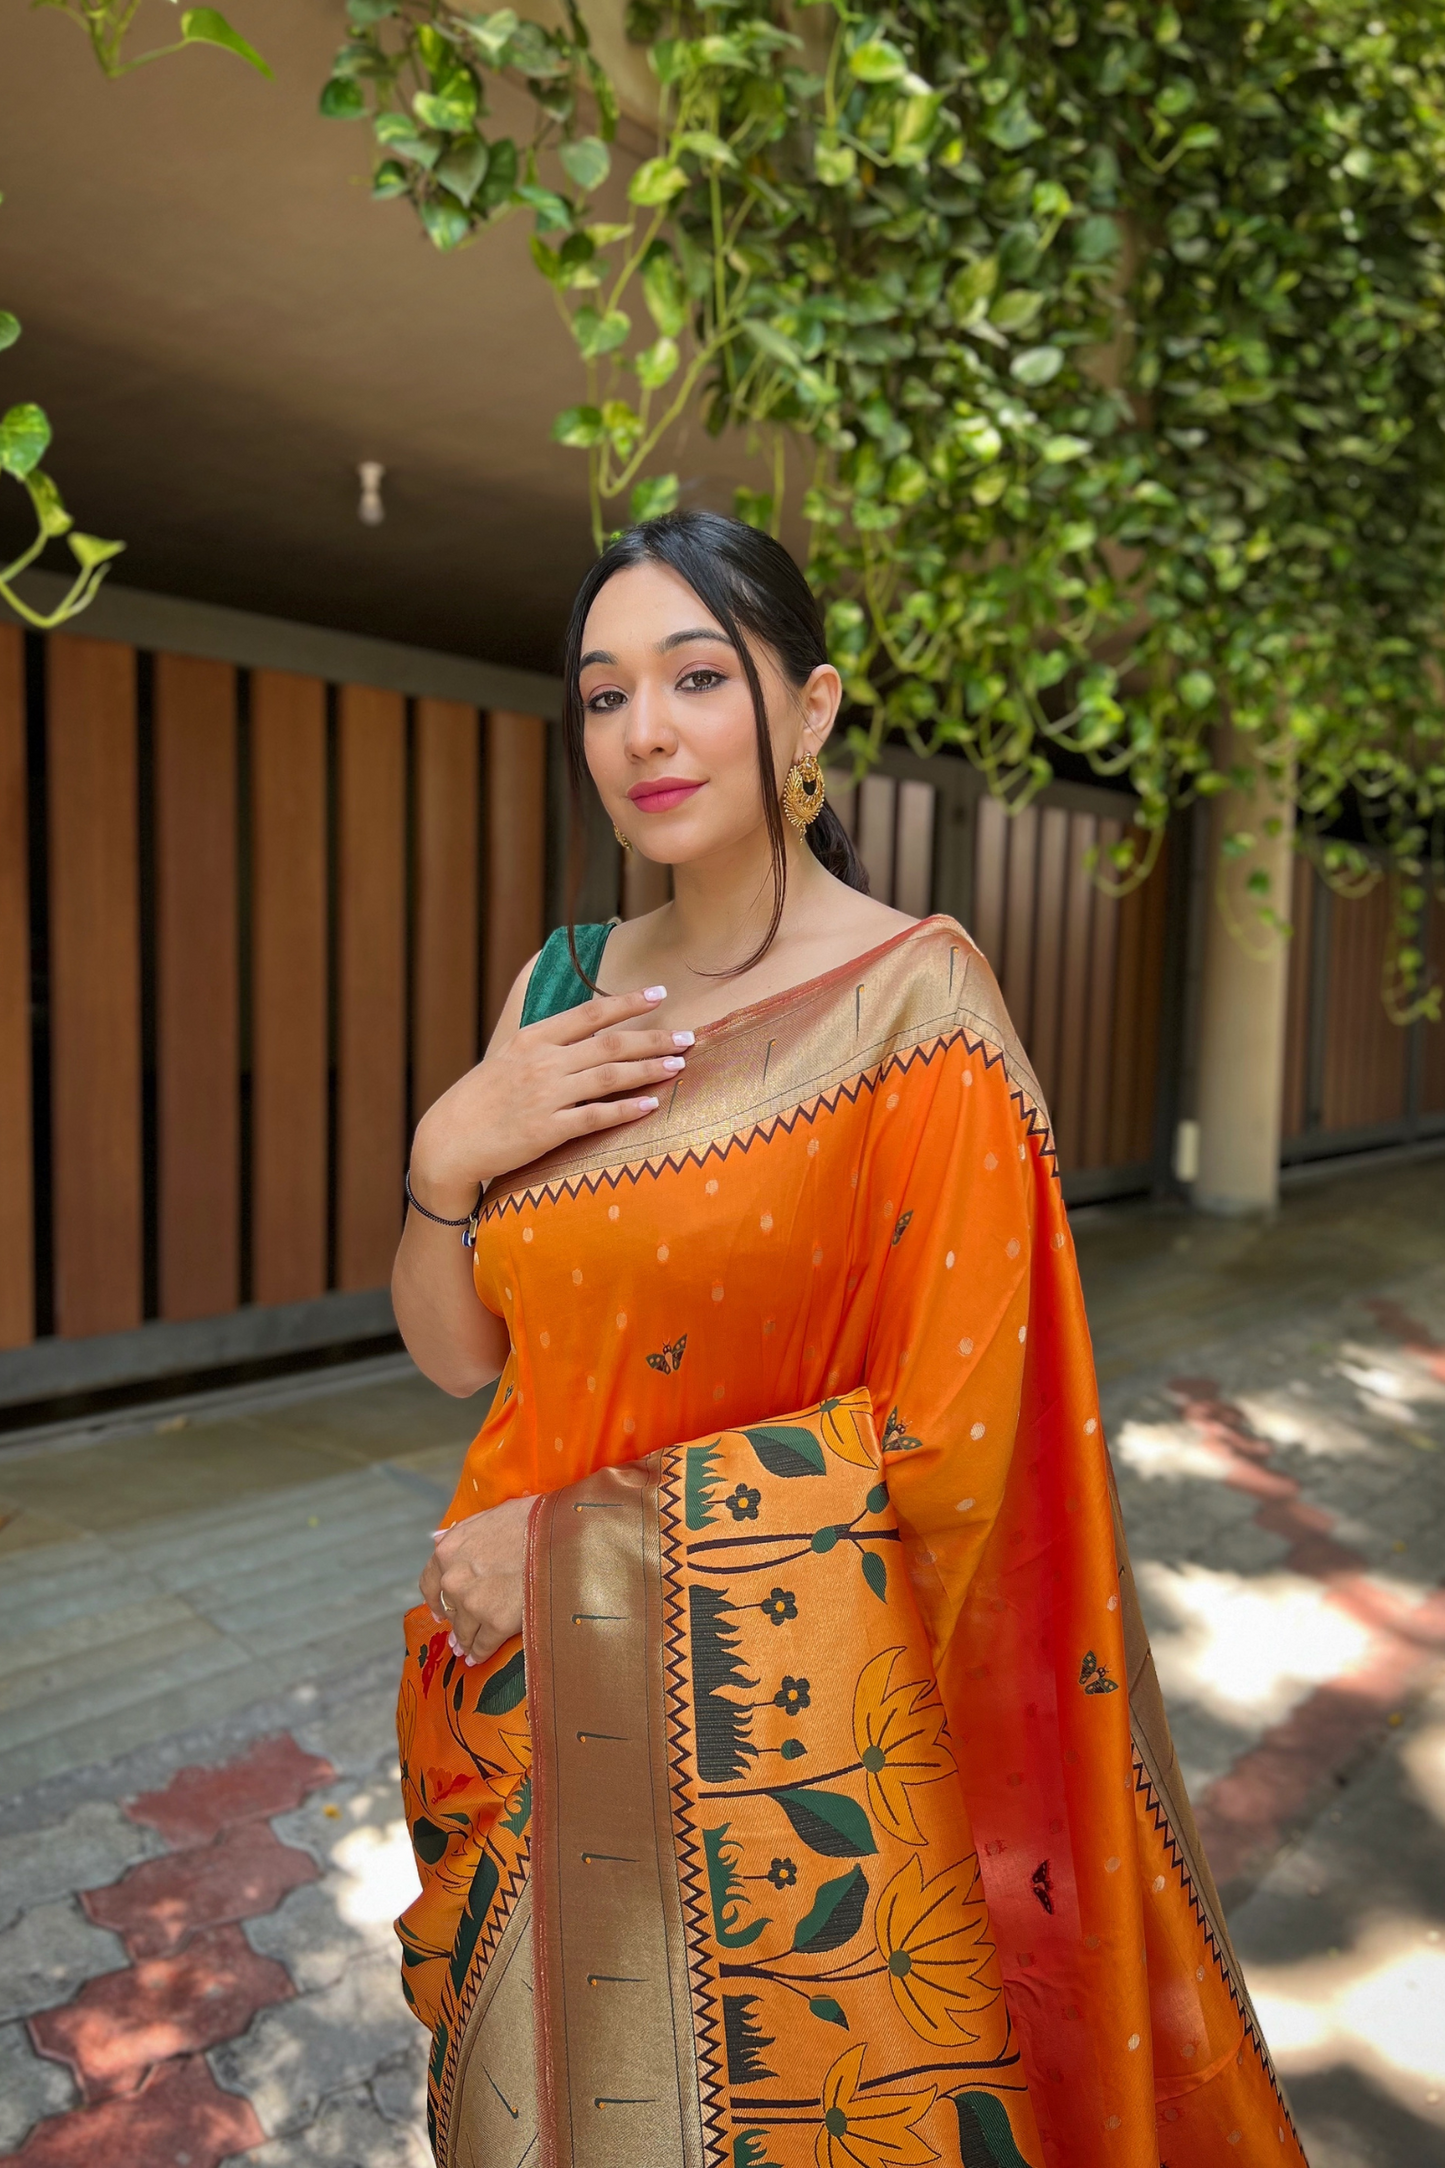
(649, 728)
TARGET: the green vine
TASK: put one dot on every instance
(1101, 342)
(25, 433)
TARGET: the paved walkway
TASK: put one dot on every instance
(201, 1847)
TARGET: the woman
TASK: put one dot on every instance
(780, 1745)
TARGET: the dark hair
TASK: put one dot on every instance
(751, 585)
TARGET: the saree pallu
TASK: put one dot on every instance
(829, 1813)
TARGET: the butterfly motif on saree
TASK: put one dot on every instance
(668, 1358)
(1094, 1676)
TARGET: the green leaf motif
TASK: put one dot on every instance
(875, 1573)
(877, 60)
(586, 163)
(597, 334)
(831, 2012)
(836, 1914)
(88, 550)
(429, 1841)
(829, 1823)
(342, 99)
(655, 182)
(1036, 366)
(786, 1451)
(53, 518)
(654, 496)
(657, 364)
(450, 112)
(985, 2135)
(24, 440)
(464, 168)
(506, 1689)
(663, 290)
(447, 224)
(206, 26)
(9, 329)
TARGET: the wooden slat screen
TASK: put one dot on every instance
(1432, 1056)
(1295, 1111)
(370, 982)
(95, 1014)
(288, 988)
(445, 1035)
(270, 920)
(516, 852)
(197, 965)
(17, 1184)
(1366, 1056)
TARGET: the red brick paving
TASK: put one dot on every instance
(271, 1777)
(179, 2119)
(123, 2023)
(1244, 1813)
(157, 1906)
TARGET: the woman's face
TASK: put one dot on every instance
(669, 730)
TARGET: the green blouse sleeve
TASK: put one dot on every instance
(554, 984)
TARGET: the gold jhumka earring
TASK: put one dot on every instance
(803, 793)
(621, 838)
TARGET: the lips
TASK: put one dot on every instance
(661, 796)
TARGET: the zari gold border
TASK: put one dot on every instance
(1160, 1781)
(493, 2123)
(798, 1055)
(616, 2047)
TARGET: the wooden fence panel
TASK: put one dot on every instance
(1294, 1113)
(1099, 1038)
(913, 855)
(1081, 898)
(516, 854)
(17, 1187)
(1048, 955)
(288, 987)
(1366, 1056)
(1432, 1049)
(1019, 926)
(95, 1012)
(444, 964)
(370, 983)
(198, 1051)
(990, 871)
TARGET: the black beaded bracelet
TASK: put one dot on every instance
(435, 1217)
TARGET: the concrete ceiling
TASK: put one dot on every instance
(221, 323)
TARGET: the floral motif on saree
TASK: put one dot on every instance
(827, 1813)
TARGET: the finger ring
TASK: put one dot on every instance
(442, 1600)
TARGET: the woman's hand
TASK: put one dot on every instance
(547, 1083)
(475, 1578)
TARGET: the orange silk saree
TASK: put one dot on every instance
(825, 1815)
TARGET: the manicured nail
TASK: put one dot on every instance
(654, 993)
(470, 1662)
(683, 1038)
(647, 1105)
(673, 1061)
(437, 1534)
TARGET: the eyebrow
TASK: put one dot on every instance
(664, 647)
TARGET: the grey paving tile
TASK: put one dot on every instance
(298, 2053)
(49, 1952)
(30, 2087)
(91, 1848)
(348, 2131)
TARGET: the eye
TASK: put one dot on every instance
(605, 702)
(701, 679)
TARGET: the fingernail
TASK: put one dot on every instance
(470, 1662)
(673, 1061)
(654, 993)
(437, 1534)
(647, 1105)
(683, 1038)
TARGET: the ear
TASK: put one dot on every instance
(819, 702)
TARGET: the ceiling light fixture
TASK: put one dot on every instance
(371, 511)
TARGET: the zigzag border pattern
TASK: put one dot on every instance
(696, 1905)
(459, 2011)
(1223, 1961)
(1032, 1118)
